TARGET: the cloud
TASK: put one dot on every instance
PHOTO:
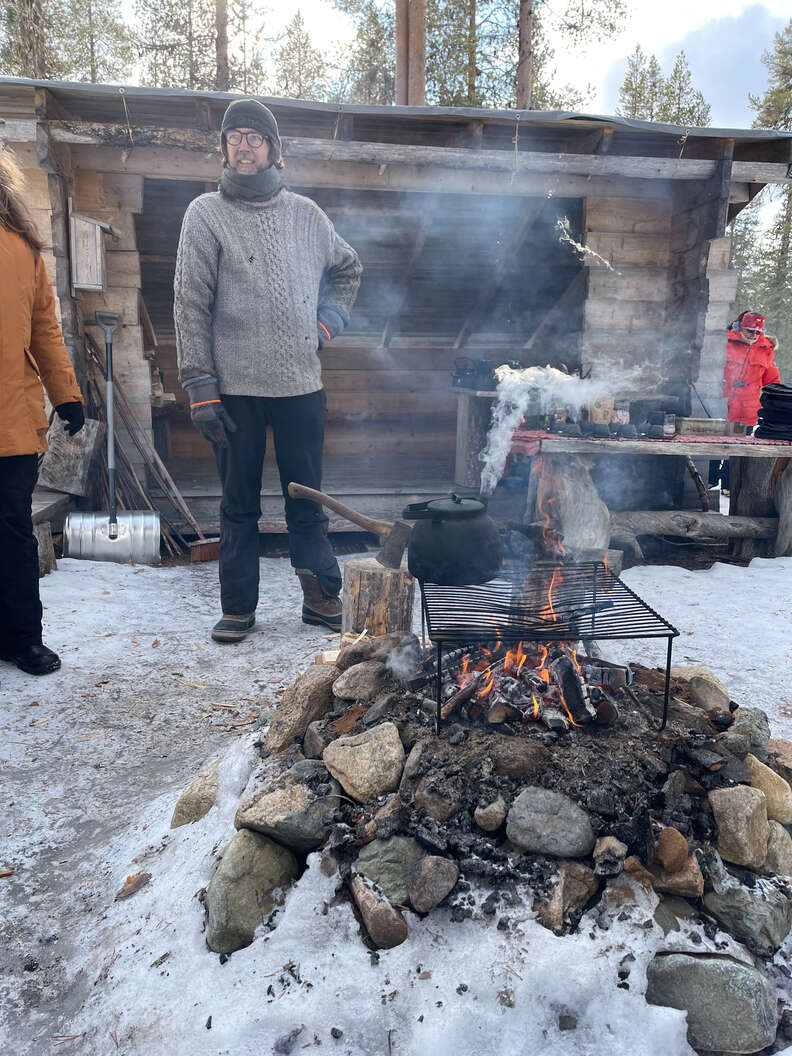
(725, 59)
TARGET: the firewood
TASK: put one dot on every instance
(554, 720)
(376, 598)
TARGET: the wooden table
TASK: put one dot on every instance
(532, 442)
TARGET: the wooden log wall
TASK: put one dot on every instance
(701, 288)
(625, 311)
(116, 198)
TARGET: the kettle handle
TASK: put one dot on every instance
(417, 511)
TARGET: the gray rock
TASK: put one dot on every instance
(367, 764)
(609, 854)
(289, 810)
(670, 910)
(309, 698)
(381, 709)
(384, 923)
(753, 722)
(198, 798)
(315, 740)
(731, 1007)
(430, 880)
(737, 742)
(491, 817)
(437, 796)
(777, 790)
(741, 817)
(759, 917)
(779, 851)
(361, 682)
(547, 822)
(709, 693)
(388, 864)
(575, 886)
(412, 765)
(249, 881)
(378, 648)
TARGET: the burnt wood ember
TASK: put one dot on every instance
(573, 690)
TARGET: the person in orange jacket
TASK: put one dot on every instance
(32, 355)
(750, 364)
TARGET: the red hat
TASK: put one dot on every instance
(752, 321)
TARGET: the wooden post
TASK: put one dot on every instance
(782, 494)
(402, 51)
(416, 91)
(377, 599)
(750, 495)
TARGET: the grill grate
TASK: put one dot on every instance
(552, 603)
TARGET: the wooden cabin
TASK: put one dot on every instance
(455, 214)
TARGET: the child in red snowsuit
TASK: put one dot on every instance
(750, 364)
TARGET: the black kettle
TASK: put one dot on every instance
(454, 542)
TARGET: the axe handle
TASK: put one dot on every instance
(378, 528)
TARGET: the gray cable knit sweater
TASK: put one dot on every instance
(247, 292)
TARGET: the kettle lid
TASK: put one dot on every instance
(450, 507)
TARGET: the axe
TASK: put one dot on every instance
(393, 537)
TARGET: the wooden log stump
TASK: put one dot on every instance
(377, 599)
(750, 494)
(782, 496)
(46, 551)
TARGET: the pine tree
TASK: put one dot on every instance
(299, 66)
(767, 267)
(680, 103)
(632, 94)
(247, 71)
(99, 45)
(369, 76)
(177, 43)
(30, 35)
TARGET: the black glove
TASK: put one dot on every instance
(207, 412)
(72, 414)
(329, 324)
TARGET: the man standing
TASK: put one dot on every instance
(32, 354)
(262, 282)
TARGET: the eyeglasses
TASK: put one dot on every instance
(254, 139)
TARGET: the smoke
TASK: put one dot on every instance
(539, 391)
(584, 253)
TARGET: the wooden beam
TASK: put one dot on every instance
(419, 241)
(170, 163)
(686, 446)
(493, 284)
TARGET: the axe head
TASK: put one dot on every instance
(394, 544)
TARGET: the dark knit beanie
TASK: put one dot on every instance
(250, 113)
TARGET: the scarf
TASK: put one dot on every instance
(257, 187)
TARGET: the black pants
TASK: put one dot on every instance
(20, 606)
(297, 424)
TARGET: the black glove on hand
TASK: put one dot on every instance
(329, 324)
(73, 415)
(207, 412)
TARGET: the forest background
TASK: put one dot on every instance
(719, 63)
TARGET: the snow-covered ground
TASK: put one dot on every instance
(93, 759)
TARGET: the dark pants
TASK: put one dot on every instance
(297, 424)
(20, 606)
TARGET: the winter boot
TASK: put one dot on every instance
(320, 607)
(233, 628)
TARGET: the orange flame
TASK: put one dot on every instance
(522, 656)
(569, 713)
(535, 706)
(486, 689)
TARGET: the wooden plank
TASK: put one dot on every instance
(620, 249)
(634, 284)
(694, 448)
(386, 380)
(386, 406)
(122, 300)
(760, 172)
(123, 268)
(623, 314)
(169, 162)
(624, 216)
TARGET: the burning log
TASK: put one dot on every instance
(574, 691)
(554, 719)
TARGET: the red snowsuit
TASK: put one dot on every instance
(753, 365)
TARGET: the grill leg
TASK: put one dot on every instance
(667, 684)
(439, 686)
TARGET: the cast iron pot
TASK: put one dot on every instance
(454, 542)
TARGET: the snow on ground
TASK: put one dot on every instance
(93, 759)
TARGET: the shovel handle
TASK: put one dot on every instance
(379, 528)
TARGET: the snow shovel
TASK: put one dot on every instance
(131, 535)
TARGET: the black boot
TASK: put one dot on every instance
(320, 607)
(233, 628)
(34, 659)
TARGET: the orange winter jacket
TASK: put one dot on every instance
(754, 366)
(32, 352)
